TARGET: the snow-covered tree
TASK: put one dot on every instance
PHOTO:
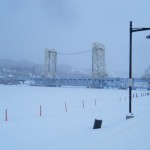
(147, 73)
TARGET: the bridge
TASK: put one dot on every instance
(119, 83)
(97, 80)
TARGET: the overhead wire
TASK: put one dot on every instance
(74, 53)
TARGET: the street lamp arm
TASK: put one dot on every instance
(131, 30)
(139, 29)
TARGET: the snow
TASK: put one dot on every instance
(72, 130)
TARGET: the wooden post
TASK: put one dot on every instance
(40, 110)
(83, 104)
(66, 106)
(95, 102)
(6, 116)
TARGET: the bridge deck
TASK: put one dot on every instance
(121, 83)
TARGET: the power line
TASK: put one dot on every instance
(75, 53)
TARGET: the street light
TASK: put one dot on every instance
(131, 30)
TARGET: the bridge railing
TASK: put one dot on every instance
(121, 83)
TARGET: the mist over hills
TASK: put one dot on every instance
(8, 63)
(28, 68)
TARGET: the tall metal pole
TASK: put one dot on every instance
(131, 30)
(130, 70)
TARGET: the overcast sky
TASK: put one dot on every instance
(27, 27)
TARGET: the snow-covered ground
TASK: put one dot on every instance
(57, 129)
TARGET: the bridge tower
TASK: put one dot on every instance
(50, 62)
(98, 60)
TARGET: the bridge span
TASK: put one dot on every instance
(119, 83)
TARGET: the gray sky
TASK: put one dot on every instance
(29, 26)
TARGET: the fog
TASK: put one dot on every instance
(28, 27)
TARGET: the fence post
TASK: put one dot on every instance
(95, 102)
(66, 106)
(6, 116)
(40, 110)
(83, 104)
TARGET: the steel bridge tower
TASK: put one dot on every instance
(50, 62)
(98, 60)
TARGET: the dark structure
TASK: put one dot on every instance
(131, 30)
(97, 124)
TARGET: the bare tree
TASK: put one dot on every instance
(147, 73)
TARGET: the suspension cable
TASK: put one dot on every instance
(75, 53)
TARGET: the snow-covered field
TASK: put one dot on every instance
(57, 129)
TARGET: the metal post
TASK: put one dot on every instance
(130, 69)
(130, 66)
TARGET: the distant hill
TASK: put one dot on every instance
(63, 70)
(8, 63)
